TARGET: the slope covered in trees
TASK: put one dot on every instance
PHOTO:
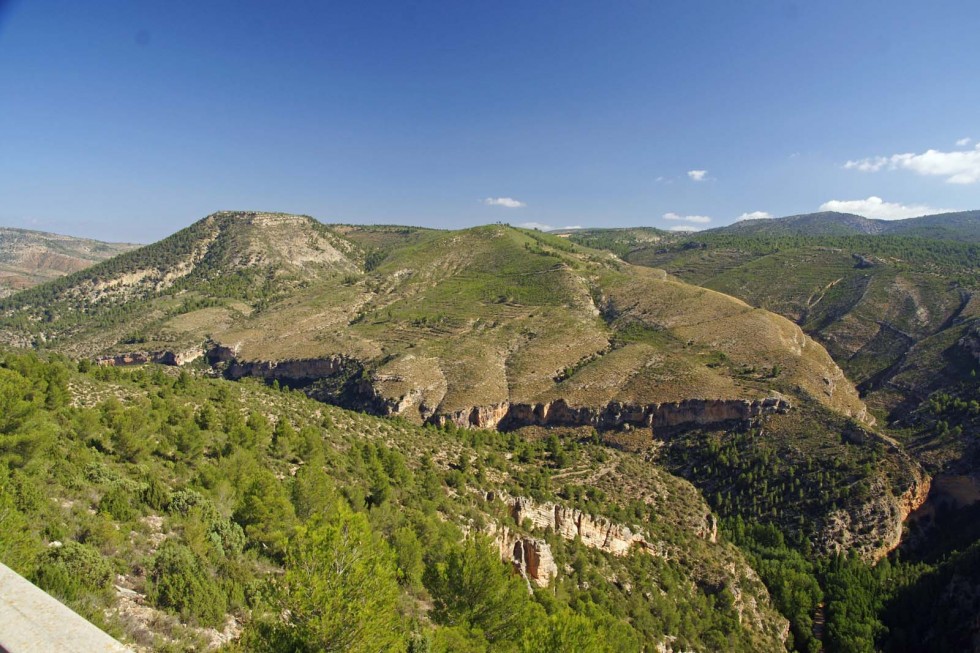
(177, 511)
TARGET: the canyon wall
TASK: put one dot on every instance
(612, 415)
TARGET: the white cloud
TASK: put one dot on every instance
(755, 215)
(875, 207)
(540, 226)
(697, 175)
(684, 227)
(506, 202)
(702, 219)
(959, 167)
(873, 164)
(963, 142)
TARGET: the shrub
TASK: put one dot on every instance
(181, 582)
(73, 570)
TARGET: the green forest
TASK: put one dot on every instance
(349, 525)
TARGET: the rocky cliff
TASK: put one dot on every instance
(613, 414)
(876, 527)
(163, 357)
(506, 415)
(532, 557)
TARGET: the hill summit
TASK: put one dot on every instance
(479, 327)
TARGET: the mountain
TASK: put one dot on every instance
(899, 314)
(964, 226)
(469, 326)
(827, 223)
(28, 258)
(490, 327)
(546, 394)
(890, 309)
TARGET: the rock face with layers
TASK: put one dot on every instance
(530, 556)
(594, 532)
(614, 414)
(879, 521)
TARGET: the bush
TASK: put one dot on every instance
(181, 582)
(118, 503)
(71, 571)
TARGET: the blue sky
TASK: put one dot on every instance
(128, 120)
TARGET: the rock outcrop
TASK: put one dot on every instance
(595, 532)
(162, 357)
(613, 414)
(505, 415)
(875, 527)
(530, 556)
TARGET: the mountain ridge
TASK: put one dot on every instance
(29, 257)
(487, 327)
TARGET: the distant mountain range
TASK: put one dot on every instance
(28, 258)
(944, 226)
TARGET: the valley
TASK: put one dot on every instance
(735, 424)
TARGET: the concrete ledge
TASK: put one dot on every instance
(32, 620)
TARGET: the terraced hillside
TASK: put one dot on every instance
(28, 258)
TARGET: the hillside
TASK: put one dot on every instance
(572, 355)
(448, 325)
(963, 226)
(898, 314)
(879, 304)
(827, 223)
(492, 327)
(184, 513)
(28, 258)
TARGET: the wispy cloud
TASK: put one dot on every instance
(958, 167)
(540, 226)
(700, 219)
(506, 202)
(697, 175)
(755, 215)
(875, 207)
(963, 142)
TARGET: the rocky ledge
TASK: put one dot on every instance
(612, 415)
(359, 393)
(163, 357)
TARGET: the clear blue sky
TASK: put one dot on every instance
(126, 120)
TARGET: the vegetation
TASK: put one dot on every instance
(320, 529)
(792, 471)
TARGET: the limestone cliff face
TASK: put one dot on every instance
(594, 532)
(506, 414)
(875, 527)
(141, 357)
(530, 556)
(613, 414)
